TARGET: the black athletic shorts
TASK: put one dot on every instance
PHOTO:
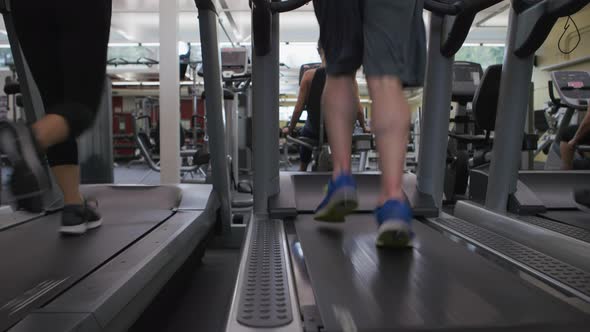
(386, 37)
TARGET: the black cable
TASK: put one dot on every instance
(565, 29)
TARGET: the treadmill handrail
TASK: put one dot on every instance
(554, 100)
(294, 140)
(563, 8)
(287, 6)
(4, 6)
(463, 13)
(455, 7)
(448, 7)
(558, 8)
(280, 6)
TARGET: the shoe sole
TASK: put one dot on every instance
(80, 229)
(394, 235)
(94, 224)
(341, 205)
(31, 158)
(582, 207)
(26, 158)
(74, 230)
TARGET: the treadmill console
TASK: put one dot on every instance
(234, 61)
(573, 88)
(466, 79)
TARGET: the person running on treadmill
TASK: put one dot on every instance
(309, 98)
(573, 136)
(388, 38)
(65, 45)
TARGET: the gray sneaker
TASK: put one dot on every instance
(29, 179)
(77, 219)
(582, 199)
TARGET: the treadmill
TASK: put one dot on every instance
(297, 274)
(535, 208)
(517, 205)
(101, 281)
(551, 188)
(545, 198)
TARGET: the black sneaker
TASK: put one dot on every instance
(77, 219)
(29, 178)
(582, 199)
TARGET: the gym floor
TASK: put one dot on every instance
(135, 174)
(197, 298)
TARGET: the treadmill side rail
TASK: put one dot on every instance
(264, 298)
(559, 274)
(564, 248)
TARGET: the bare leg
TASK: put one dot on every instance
(567, 156)
(50, 130)
(340, 109)
(303, 167)
(68, 179)
(390, 124)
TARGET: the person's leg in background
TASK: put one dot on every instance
(340, 106)
(342, 38)
(70, 85)
(395, 54)
(305, 156)
(567, 151)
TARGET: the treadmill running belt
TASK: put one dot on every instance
(575, 218)
(36, 263)
(437, 285)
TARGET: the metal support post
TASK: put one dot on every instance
(434, 125)
(510, 121)
(214, 109)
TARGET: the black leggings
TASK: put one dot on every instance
(65, 45)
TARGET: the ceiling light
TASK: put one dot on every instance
(125, 83)
(150, 83)
(123, 44)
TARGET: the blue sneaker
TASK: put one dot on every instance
(395, 225)
(340, 201)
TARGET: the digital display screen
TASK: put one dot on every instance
(575, 84)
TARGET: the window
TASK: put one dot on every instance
(485, 55)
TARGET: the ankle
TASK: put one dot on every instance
(73, 200)
(338, 173)
(395, 195)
